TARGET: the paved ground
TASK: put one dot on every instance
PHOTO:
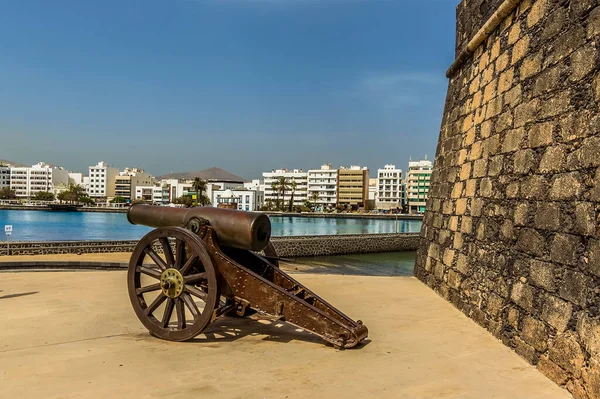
(74, 335)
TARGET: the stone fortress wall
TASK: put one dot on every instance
(511, 235)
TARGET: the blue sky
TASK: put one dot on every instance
(246, 85)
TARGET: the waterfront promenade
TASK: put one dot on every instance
(75, 335)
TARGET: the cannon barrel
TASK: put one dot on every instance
(239, 229)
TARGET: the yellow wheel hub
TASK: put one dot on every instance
(171, 282)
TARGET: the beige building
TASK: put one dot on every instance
(128, 180)
(353, 186)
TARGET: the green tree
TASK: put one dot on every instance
(43, 196)
(186, 200)
(293, 186)
(118, 200)
(86, 200)
(199, 186)
(314, 198)
(283, 184)
(275, 188)
(7, 193)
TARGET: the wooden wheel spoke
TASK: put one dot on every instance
(179, 254)
(157, 259)
(164, 242)
(148, 288)
(168, 312)
(190, 262)
(191, 305)
(154, 305)
(180, 313)
(149, 271)
(195, 292)
(194, 278)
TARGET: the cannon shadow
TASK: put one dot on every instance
(228, 329)
(9, 296)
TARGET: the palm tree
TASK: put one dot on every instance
(314, 197)
(200, 186)
(283, 184)
(293, 187)
(275, 188)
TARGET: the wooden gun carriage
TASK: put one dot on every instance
(216, 262)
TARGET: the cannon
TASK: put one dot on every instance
(203, 263)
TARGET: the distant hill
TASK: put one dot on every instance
(11, 163)
(210, 174)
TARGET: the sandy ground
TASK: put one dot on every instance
(75, 335)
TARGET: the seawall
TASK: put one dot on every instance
(290, 247)
(511, 234)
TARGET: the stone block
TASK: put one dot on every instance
(513, 96)
(489, 92)
(462, 264)
(521, 216)
(470, 188)
(540, 134)
(469, 137)
(567, 353)
(495, 163)
(541, 274)
(526, 351)
(585, 221)
(546, 81)
(453, 223)
(554, 159)
(454, 279)
(505, 82)
(593, 23)
(565, 44)
(512, 190)
(486, 188)
(508, 230)
(487, 75)
(574, 287)
(466, 224)
(476, 149)
(588, 155)
(465, 171)
(583, 61)
(480, 168)
(595, 190)
(535, 187)
(526, 112)
(566, 186)
(557, 313)
(494, 305)
(513, 140)
(524, 161)
(458, 241)
(547, 216)
(504, 122)
(531, 242)
(522, 295)
(461, 206)
(594, 257)
(554, 23)
(520, 48)
(486, 129)
(494, 107)
(531, 66)
(448, 257)
(438, 271)
(514, 34)
(588, 330)
(564, 249)
(552, 371)
(577, 390)
(461, 156)
(534, 332)
(513, 318)
(556, 105)
(537, 12)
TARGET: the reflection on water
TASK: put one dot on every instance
(70, 226)
(378, 264)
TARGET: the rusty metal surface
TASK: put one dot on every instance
(219, 279)
(239, 229)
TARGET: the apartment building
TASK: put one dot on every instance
(153, 194)
(127, 181)
(323, 182)
(417, 182)
(240, 198)
(353, 186)
(390, 190)
(26, 182)
(4, 176)
(258, 186)
(291, 175)
(102, 179)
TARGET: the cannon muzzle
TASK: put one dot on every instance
(239, 229)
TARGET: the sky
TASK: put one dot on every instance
(245, 85)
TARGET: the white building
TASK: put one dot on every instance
(154, 194)
(246, 199)
(26, 182)
(258, 186)
(389, 188)
(102, 180)
(4, 176)
(417, 184)
(295, 175)
(323, 182)
(127, 181)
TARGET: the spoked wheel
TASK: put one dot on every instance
(174, 293)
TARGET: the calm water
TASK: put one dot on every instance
(379, 264)
(73, 226)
